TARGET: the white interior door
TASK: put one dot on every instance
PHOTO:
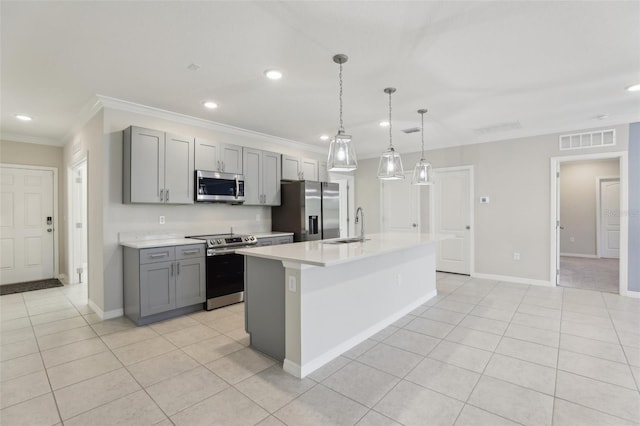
(400, 206)
(26, 225)
(609, 226)
(451, 209)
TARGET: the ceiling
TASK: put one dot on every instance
(484, 70)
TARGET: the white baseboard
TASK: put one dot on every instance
(587, 256)
(517, 280)
(63, 279)
(633, 294)
(302, 371)
(115, 313)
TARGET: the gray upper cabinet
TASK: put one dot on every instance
(218, 157)
(262, 172)
(157, 167)
(296, 168)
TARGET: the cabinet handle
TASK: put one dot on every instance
(191, 251)
(172, 269)
(162, 195)
(178, 268)
(218, 165)
(166, 195)
(158, 255)
(223, 166)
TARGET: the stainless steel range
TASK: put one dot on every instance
(225, 268)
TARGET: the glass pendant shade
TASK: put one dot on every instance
(390, 166)
(422, 173)
(342, 156)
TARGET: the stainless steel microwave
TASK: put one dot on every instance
(215, 187)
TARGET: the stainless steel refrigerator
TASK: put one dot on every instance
(311, 210)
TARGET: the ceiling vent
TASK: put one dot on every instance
(411, 130)
(588, 140)
(497, 128)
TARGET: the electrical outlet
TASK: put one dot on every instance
(572, 239)
(516, 255)
(161, 220)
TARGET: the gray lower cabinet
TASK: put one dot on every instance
(163, 282)
(271, 241)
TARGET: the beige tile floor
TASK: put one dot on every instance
(480, 353)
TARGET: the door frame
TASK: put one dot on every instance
(56, 270)
(407, 175)
(70, 225)
(554, 247)
(599, 180)
(472, 215)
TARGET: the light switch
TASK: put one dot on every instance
(292, 284)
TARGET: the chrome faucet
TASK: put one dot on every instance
(359, 210)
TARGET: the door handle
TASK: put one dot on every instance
(415, 225)
(468, 227)
(49, 230)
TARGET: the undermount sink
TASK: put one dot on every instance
(347, 240)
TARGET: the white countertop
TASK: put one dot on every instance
(320, 254)
(160, 243)
(272, 234)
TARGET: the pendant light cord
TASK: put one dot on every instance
(390, 135)
(341, 129)
(422, 134)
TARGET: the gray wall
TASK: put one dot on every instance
(634, 207)
(578, 204)
(515, 174)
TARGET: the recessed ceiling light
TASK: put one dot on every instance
(384, 124)
(210, 104)
(273, 74)
(634, 88)
(23, 117)
(324, 137)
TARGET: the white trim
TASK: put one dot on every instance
(63, 278)
(508, 279)
(121, 105)
(555, 162)
(472, 214)
(311, 366)
(15, 137)
(632, 294)
(587, 256)
(599, 180)
(56, 255)
(115, 313)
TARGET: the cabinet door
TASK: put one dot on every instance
(290, 168)
(206, 155)
(271, 163)
(157, 288)
(252, 165)
(190, 282)
(265, 241)
(284, 240)
(179, 177)
(147, 152)
(231, 158)
(309, 169)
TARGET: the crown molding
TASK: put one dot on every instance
(122, 105)
(16, 137)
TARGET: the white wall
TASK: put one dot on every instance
(578, 204)
(515, 175)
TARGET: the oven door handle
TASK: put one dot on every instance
(231, 250)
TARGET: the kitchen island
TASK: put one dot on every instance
(309, 302)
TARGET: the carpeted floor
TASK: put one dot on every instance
(29, 286)
(590, 274)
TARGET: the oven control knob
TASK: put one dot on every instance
(219, 241)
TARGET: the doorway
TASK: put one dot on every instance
(347, 202)
(400, 205)
(588, 232)
(452, 213)
(78, 238)
(28, 223)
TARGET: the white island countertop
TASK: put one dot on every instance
(319, 253)
(160, 243)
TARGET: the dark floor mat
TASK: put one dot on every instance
(29, 286)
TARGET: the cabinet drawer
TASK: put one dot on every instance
(190, 251)
(284, 240)
(159, 254)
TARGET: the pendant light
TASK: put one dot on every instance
(422, 172)
(390, 167)
(342, 156)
